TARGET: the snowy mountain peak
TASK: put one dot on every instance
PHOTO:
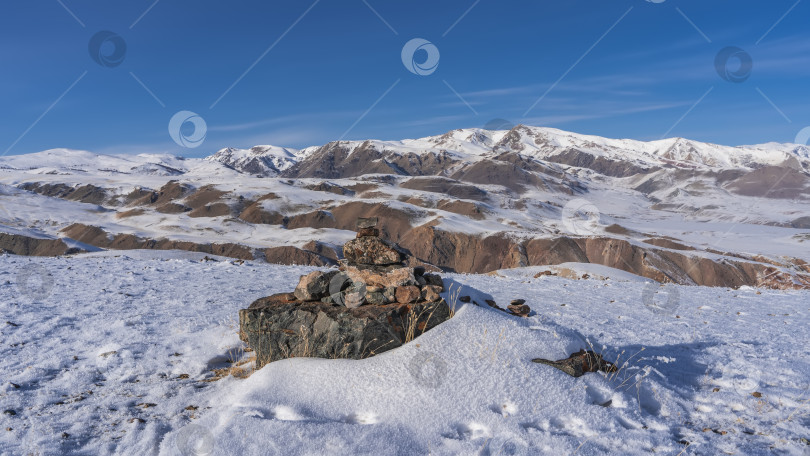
(258, 160)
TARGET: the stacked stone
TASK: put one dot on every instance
(370, 305)
(372, 273)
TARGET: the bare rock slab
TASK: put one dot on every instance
(371, 251)
(278, 328)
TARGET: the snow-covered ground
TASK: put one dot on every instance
(105, 353)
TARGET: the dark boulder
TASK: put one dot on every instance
(278, 330)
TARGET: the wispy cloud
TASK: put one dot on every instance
(286, 119)
(433, 120)
(557, 119)
(286, 137)
(502, 92)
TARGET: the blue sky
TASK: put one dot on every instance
(304, 72)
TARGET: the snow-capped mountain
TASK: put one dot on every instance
(70, 161)
(452, 148)
(544, 143)
(489, 199)
(262, 161)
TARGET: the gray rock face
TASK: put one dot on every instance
(279, 330)
(314, 286)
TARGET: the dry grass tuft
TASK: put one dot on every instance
(454, 295)
(241, 362)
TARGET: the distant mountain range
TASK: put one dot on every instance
(457, 146)
(617, 157)
(470, 200)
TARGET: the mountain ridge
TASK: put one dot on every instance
(469, 144)
(509, 198)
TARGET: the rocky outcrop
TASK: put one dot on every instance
(474, 211)
(313, 254)
(465, 253)
(291, 255)
(99, 238)
(371, 304)
(459, 252)
(329, 187)
(254, 213)
(580, 363)
(326, 251)
(211, 210)
(668, 244)
(444, 186)
(204, 196)
(315, 219)
(394, 222)
(24, 245)
(172, 208)
(601, 165)
(84, 193)
(496, 172)
(772, 182)
(173, 190)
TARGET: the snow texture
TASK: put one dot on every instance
(106, 353)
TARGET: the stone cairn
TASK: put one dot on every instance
(371, 304)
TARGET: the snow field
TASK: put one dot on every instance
(108, 352)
